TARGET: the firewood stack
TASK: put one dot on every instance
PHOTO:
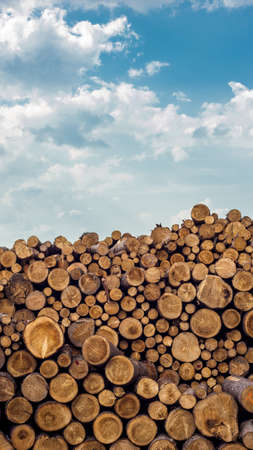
(128, 342)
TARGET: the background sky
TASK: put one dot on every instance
(120, 114)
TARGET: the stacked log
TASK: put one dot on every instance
(128, 342)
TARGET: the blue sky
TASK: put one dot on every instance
(120, 114)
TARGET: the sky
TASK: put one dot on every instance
(120, 114)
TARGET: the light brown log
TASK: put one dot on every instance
(78, 368)
(130, 328)
(97, 350)
(243, 281)
(71, 296)
(180, 424)
(106, 398)
(188, 399)
(239, 366)
(123, 444)
(35, 300)
(147, 388)
(185, 347)
(157, 410)
(231, 318)
(242, 389)
(248, 323)
(108, 333)
(186, 371)
(107, 427)
(49, 368)
(179, 272)
(243, 301)
(168, 392)
(216, 416)
(199, 272)
(234, 446)
(80, 330)
(205, 323)
(225, 268)
(246, 433)
(34, 387)
(186, 292)
(214, 292)
(74, 433)
(18, 288)
(52, 416)
(37, 272)
(18, 410)
(22, 437)
(162, 442)
(43, 337)
(58, 279)
(141, 430)
(63, 388)
(85, 407)
(21, 363)
(121, 370)
(5, 443)
(127, 406)
(7, 387)
(134, 277)
(94, 383)
(197, 442)
(170, 306)
(45, 442)
(89, 284)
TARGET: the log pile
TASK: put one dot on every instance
(129, 342)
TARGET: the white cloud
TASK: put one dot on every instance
(178, 154)
(44, 52)
(180, 96)
(155, 67)
(150, 69)
(134, 73)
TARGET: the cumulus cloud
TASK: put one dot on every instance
(44, 52)
(150, 69)
(180, 96)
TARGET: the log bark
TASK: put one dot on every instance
(242, 389)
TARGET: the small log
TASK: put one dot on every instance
(235, 446)
(179, 272)
(106, 398)
(246, 433)
(94, 383)
(37, 272)
(78, 368)
(185, 347)
(80, 330)
(121, 370)
(188, 399)
(49, 368)
(7, 387)
(197, 442)
(35, 301)
(43, 337)
(21, 363)
(97, 350)
(147, 388)
(243, 281)
(108, 333)
(157, 410)
(216, 416)
(71, 296)
(214, 292)
(199, 212)
(107, 427)
(170, 306)
(22, 437)
(18, 410)
(52, 416)
(85, 407)
(205, 323)
(242, 389)
(248, 323)
(239, 366)
(74, 433)
(168, 392)
(123, 444)
(63, 388)
(141, 430)
(45, 442)
(130, 328)
(162, 442)
(231, 318)
(58, 279)
(127, 406)
(18, 288)
(179, 424)
(34, 387)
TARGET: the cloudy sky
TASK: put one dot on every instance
(120, 114)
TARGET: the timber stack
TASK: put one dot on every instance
(130, 342)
